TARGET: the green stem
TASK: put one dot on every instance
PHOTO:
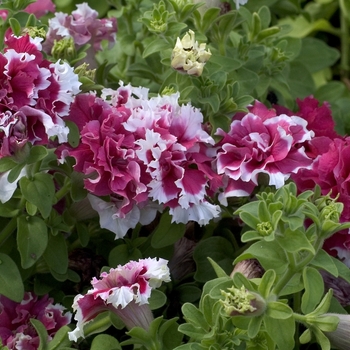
(63, 191)
(7, 231)
(283, 281)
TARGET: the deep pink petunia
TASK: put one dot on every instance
(261, 142)
(145, 154)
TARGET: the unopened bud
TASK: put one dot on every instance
(64, 48)
(249, 268)
(84, 71)
(35, 32)
(340, 338)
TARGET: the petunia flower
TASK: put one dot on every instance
(125, 291)
(34, 95)
(188, 56)
(41, 8)
(16, 331)
(143, 154)
(261, 142)
(83, 25)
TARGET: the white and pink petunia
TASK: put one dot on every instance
(144, 153)
(125, 291)
(261, 142)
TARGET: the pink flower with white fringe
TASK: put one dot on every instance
(136, 149)
(261, 143)
(34, 95)
(125, 291)
(176, 151)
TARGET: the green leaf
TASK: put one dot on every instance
(190, 330)
(281, 331)
(74, 134)
(209, 17)
(39, 191)
(250, 219)
(254, 326)
(324, 305)
(326, 55)
(194, 316)
(188, 292)
(218, 270)
(15, 172)
(15, 26)
(42, 332)
(11, 285)
(105, 342)
(278, 310)
(32, 239)
(56, 254)
(175, 28)
(314, 289)
(247, 80)
(217, 248)
(154, 46)
(60, 339)
(6, 164)
(269, 254)
(169, 335)
(98, 325)
(36, 154)
(167, 233)
(267, 281)
(294, 241)
(123, 253)
(344, 271)
(157, 299)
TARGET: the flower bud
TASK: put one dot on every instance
(84, 71)
(249, 268)
(189, 57)
(35, 32)
(64, 49)
(242, 302)
(340, 338)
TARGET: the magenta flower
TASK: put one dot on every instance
(145, 154)
(34, 95)
(261, 143)
(83, 26)
(16, 331)
(40, 8)
(125, 291)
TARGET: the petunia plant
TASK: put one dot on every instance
(174, 174)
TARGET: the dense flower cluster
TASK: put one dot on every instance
(16, 331)
(124, 291)
(34, 95)
(146, 154)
